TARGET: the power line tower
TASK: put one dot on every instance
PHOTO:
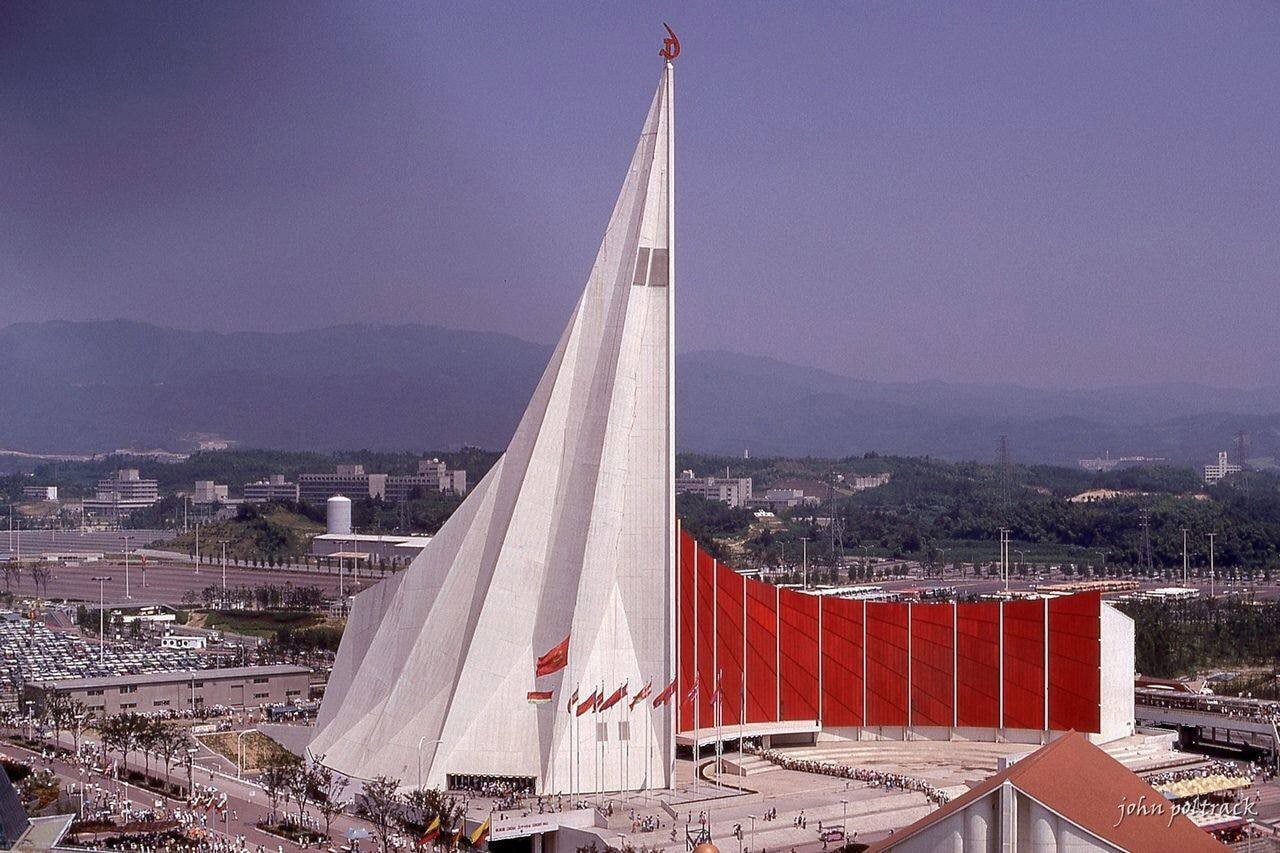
(1145, 562)
(1242, 454)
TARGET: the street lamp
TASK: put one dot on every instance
(223, 542)
(102, 611)
(421, 740)
(240, 750)
(844, 816)
(753, 830)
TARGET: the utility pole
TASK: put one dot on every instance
(102, 623)
(197, 546)
(224, 572)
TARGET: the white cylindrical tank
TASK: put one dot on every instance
(338, 515)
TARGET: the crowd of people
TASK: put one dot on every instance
(874, 778)
(1226, 769)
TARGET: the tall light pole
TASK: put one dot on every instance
(125, 540)
(421, 740)
(197, 546)
(804, 562)
(102, 623)
(1184, 557)
(1211, 535)
(223, 542)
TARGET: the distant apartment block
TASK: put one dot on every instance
(40, 493)
(209, 492)
(350, 481)
(1222, 468)
(433, 476)
(122, 493)
(274, 488)
(870, 481)
(734, 491)
(1109, 463)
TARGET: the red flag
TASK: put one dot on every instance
(432, 832)
(554, 660)
(614, 698)
(667, 693)
(589, 704)
(573, 700)
(539, 697)
(641, 696)
(692, 696)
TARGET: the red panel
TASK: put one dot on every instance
(932, 665)
(1075, 655)
(798, 615)
(762, 667)
(841, 662)
(685, 669)
(706, 638)
(886, 664)
(729, 644)
(1024, 664)
(978, 665)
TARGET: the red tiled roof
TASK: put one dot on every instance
(1078, 781)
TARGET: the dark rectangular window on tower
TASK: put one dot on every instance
(642, 267)
(658, 273)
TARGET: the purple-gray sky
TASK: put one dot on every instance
(1047, 193)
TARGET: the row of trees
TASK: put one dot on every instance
(1180, 638)
(125, 734)
(260, 597)
(288, 780)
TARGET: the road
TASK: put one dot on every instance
(247, 803)
(167, 583)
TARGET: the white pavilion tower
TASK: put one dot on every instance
(571, 533)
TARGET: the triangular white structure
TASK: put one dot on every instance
(571, 533)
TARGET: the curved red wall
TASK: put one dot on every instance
(787, 656)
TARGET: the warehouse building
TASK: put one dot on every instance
(233, 687)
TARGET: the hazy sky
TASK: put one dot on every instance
(1045, 193)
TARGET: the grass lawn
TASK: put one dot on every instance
(258, 748)
(260, 623)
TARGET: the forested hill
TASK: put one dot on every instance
(99, 386)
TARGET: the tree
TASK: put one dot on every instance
(121, 734)
(150, 731)
(170, 744)
(328, 788)
(275, 780)
(300, 788)
(422, 805)
(382, 805)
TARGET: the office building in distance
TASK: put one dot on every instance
(433, 476)
(734, 491)
(122, 493)
(40, 493)
(349, 481)
(209, 492)
(274, 488)
(1220, 469)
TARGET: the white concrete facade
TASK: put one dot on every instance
(570, 533)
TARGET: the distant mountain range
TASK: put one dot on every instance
(96, 386)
